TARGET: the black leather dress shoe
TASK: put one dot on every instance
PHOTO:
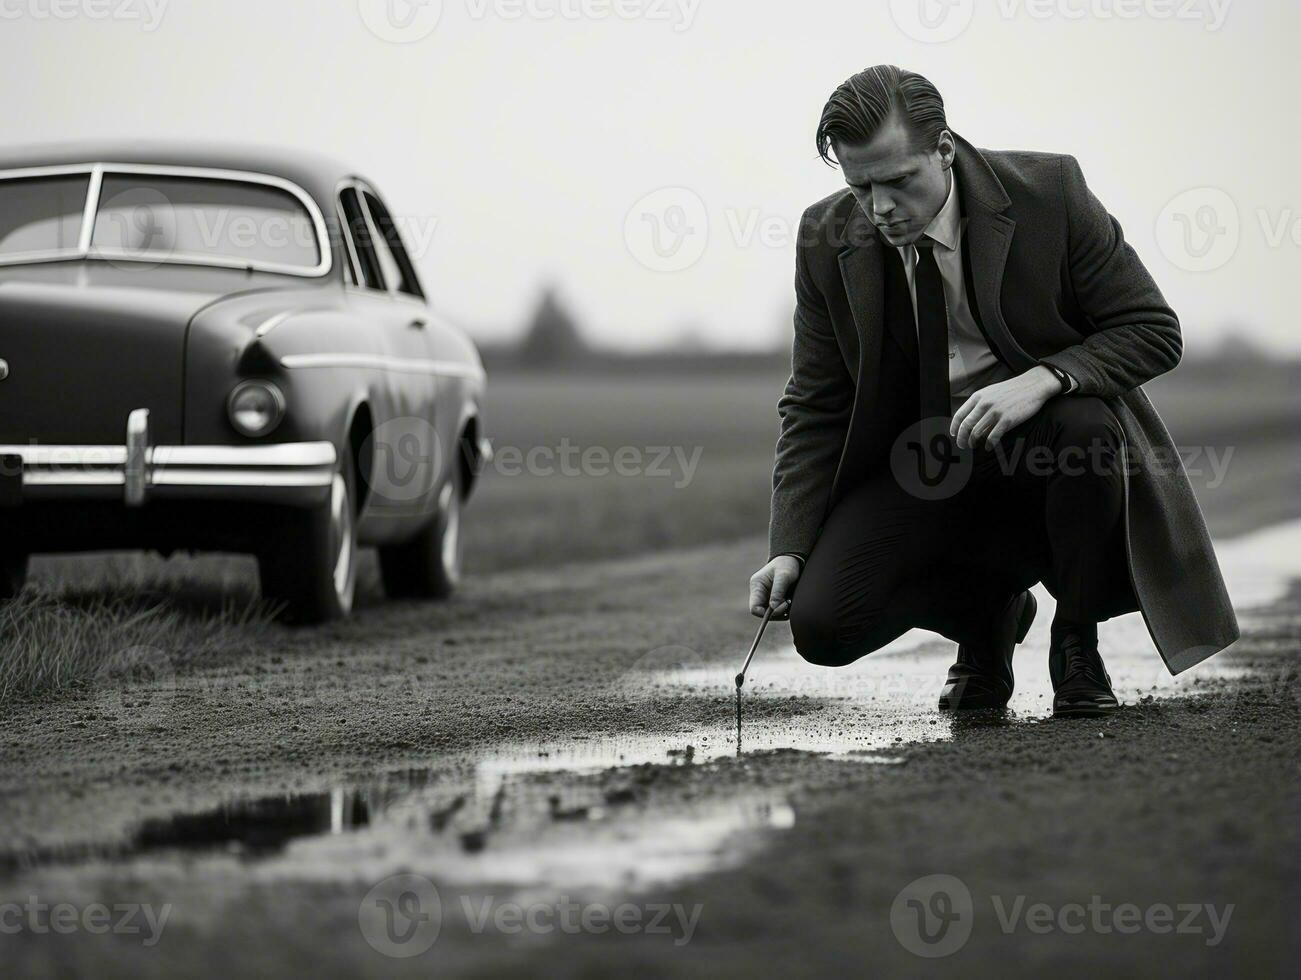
(982, 677)
(1081, 685)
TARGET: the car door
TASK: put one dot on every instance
(453, 364)
(406, 453)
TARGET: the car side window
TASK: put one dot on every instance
(392, 274)
(349, 268)
(358, 232)
(398, 268)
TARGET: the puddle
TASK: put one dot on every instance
(902, 680)
(579, 814)
(532, 817)
(260, 827)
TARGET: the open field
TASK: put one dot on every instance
(1244, 419)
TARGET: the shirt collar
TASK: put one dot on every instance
(946, 227)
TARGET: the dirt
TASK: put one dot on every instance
(568, 736)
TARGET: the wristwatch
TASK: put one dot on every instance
(1067, 382)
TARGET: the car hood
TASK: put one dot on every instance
(83, 352)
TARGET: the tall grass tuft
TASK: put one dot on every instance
(56, 640)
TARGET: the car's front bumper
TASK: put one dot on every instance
(297, 473)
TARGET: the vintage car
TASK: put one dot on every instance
(210, 349)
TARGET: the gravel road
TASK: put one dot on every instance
(562, 746)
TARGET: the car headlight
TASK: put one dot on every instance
(255, 407)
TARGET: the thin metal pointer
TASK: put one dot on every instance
(740, 678)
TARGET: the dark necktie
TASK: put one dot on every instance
(932, 334)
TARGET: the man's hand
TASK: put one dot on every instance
(991, 412)
(772, 586)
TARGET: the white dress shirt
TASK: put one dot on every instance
(972, 365)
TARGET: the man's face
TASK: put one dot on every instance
(900, 188)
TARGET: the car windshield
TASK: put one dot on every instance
(154, 216)
(41, 215)
(157, 217)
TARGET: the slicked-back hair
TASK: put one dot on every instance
(858, 108)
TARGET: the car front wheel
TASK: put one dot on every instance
(310, 565)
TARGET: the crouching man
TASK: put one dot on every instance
(964, 417)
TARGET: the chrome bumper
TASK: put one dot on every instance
(292, 473)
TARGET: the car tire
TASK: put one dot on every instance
(13, 574)
(429, 565)
(311, 564)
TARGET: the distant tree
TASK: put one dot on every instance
(690, 338)
(552, 337)
(1237, 346)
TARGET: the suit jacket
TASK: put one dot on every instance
(1052, 281)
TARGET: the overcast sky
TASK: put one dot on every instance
(652, 157)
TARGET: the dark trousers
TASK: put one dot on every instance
(1046, 506)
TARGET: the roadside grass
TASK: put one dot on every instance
(54, 642)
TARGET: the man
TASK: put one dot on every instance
(964, 416)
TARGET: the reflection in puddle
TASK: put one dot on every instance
(258, 827)
(538, 814)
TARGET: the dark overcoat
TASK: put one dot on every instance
(1052, 281)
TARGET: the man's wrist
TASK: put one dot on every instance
(1057, 382)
